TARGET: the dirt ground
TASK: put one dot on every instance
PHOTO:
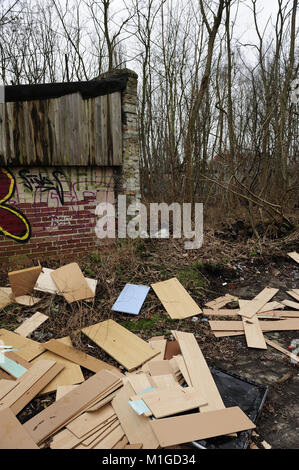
(241, 268)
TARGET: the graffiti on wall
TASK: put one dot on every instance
(43, 183)
(13, 223)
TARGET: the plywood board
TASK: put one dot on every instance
(175, 299)
(253, 306)
(5, 297)
(12, 367)
(71, 283)
(63, 390)
(252, 329)
(139, 382)
(294, 255)
(220, 301)
(273, 344)
(27, 348)
(12, 434)
(22, 282)
(160, 368)
(131, 299)
(158, 345)
(197, 426)
(164, 381)
(112, 438)
(136, 427)
(122, 444)
(90, 420)
(224, 312)
(70, 375)
(27, 300)
(199, 372)
(125, 347)
(45, 283)
(270, 306)
(182, 366)
(294, 293)
(276, 325)
(291, 303)
(170, 401)
(172, 349)
(31, 324)
(79, 357)
(6, 386)
(55, 416)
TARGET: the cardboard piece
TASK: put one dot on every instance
(22, 282)
(125, 347)
(12, 434)
(71, 283)
(79, 357)
(197, 426)
(31, 324)
(27, 348)
(5, 297)
(172, 349)
(131, 299)
(137, 428)
(175, 299)
(55, 416)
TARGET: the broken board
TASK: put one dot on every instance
(22, 282)
(71, 283)
(27, 348)
(31, 324)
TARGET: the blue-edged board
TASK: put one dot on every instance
(130, 299)
(12, 367)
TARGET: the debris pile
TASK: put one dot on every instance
(163, 393)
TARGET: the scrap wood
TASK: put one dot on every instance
(175, 299)
(123, 444)
(134, 446)
(63, 390)
(291, 303)
(220, 302)
(136, 427)
(253, 306)
(172, 349)
(71, 374)
(5, 297)
(294, 255)
(252, 329)
(111, 439)
(139, 382)
(106, 438)
(90, 420)
(22, 282)
(276, 325)
(27, 300)
(57, 415)
(71, 283)
(294, 294)
(79, 357)
(31, 324)
(6, 386)
(197, 426)
(164, 381)
(123, 345)
(182, 366)
(30, 384)
(273, 344)
(27, 348)
(12, 434)
(45, 283)
(199, 372)
(170, 401)
(12, 367)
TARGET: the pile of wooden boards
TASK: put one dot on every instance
(67, 281)
(258, 316)
(111, 410)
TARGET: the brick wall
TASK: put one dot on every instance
(57, 208)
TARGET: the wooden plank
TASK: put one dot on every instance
(112, 438)
(273, 344)
(90, 420)
(294, 255)
(294, 293)
(7, 386)
(252, 329)
(55, 416)
(197, 426)
(270, 306)
(164, 381)
(22, 282)
(175, 299)
(27, 300)
(12, 434)
(12, 367)
(63, 390)
(31, 324)
(101, 436)
(160, 368)
(30, 385)
(199, 372)
(125, 347)
(221, 301)
(139, 382)
(181, 363)
(224, 312)
(136, 427)
(71, 283)
(170, 401)
(253, 306)
(237, 326)
(79, 357)
(290, 303)
(27, 348)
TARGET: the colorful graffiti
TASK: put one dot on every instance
(13, 223)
